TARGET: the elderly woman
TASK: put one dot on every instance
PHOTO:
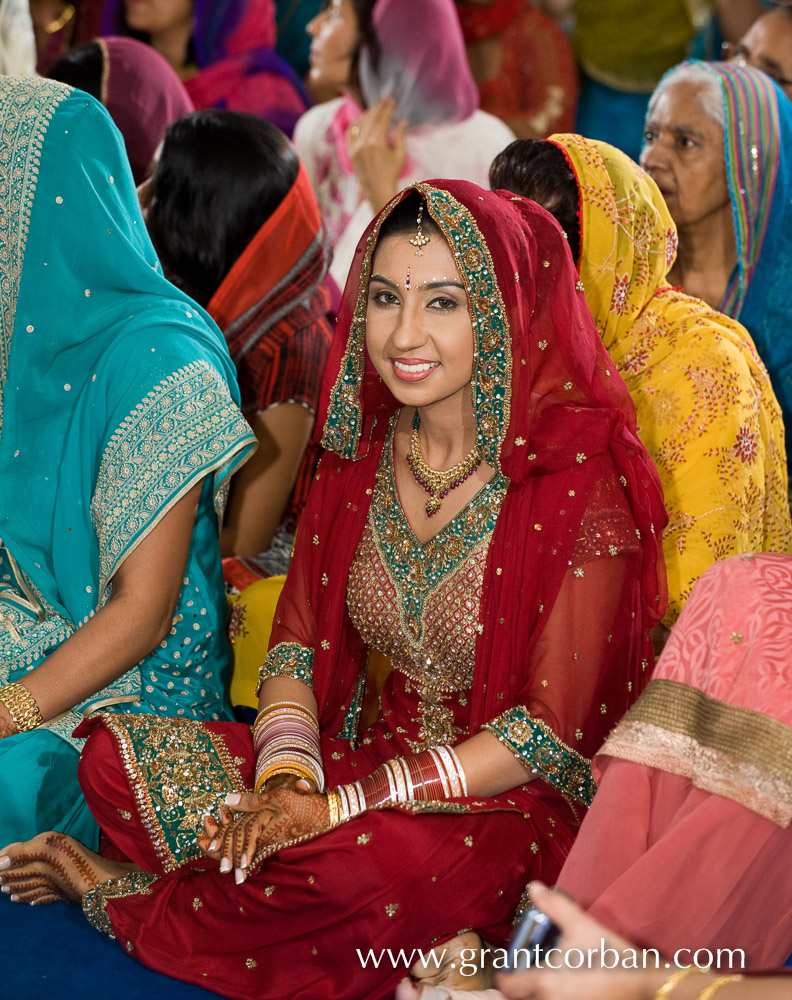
(719, 145)
(407, 110)
(120, 430)
(706, 410)
(487, 517)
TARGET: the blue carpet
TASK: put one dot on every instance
(53, 952)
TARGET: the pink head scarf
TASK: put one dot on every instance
(422, 65)
(143, 95)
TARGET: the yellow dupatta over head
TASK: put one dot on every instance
(706, 410)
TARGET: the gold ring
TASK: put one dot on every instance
(355, 131)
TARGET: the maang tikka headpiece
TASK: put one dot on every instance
(419, 241)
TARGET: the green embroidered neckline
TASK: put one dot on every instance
(417, 568)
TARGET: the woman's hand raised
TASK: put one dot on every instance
(378, 152)
(287, 811)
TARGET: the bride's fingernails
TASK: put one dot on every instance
(225, 865)
(243, 862)
(15, 898)
(5, 888)
(214, 845)
(232, 799)
(239, 876)
(5, 862)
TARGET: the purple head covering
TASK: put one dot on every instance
(422, 65)
(143, 94)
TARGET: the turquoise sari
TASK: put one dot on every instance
(117, 395)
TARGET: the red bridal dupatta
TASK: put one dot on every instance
(556, 418)
(703, 763)
(572, 583)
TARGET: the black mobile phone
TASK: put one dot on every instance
(531, 939)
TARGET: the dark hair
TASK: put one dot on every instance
(81, 67)
(220, 176)
(537, 169)
(403, 219)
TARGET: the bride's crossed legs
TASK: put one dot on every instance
(54, 867)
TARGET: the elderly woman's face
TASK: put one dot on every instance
(684, 154)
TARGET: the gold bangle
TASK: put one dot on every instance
(295, 769)
(334, 805)
(21, 706)
(674, 980)
(712, 989)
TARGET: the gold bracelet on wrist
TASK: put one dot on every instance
(712, 989)
(302, 773)
(334, 804)
(21, 706)
(674, 980)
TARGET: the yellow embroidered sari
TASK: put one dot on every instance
(706, 410)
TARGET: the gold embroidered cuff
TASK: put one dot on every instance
(21, 706)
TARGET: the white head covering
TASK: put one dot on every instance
(17, 41)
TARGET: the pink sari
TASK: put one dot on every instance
(702, 768)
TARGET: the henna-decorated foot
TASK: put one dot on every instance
(53, 867)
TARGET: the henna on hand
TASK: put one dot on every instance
(288, 814)
(295, 814)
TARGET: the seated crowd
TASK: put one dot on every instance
(405, 520)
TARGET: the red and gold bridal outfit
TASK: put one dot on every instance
(528, 614)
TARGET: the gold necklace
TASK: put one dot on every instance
(438, 484)
(54, 26)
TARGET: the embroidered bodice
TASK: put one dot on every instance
(418, 603)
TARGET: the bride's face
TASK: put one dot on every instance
(334, 41)
(419, 333)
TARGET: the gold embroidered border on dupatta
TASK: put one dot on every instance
(493, 371)
(25, 116)
(185, 427)
(178, 772)
(724, 749)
